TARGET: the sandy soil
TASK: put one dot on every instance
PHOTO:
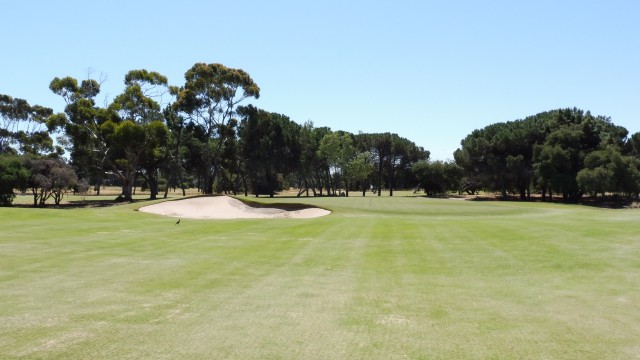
(224, 207)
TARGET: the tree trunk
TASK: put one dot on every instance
(392, 180)
(208, 186)
(304, 187)
(320, 186)
(380, 168)
(153, 184)
(128, 179)
(127, 191)
(35, 197)
(166, 188)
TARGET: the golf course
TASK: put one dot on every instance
(403, 277)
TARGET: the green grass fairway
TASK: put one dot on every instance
(379, 278)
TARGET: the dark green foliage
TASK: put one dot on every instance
(209, 99)
(269, 147)
(25, 126)
(196, 139)
(314, 168)
(125, 138)
(86, 128)
(608, 170)
(438, 177)
(338, 151)
(13, 176)
(391, 155)
(547, 152)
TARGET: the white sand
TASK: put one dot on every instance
(224, 207)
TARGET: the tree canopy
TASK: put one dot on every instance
(565, 151)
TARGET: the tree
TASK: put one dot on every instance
(437, 177)
(338, 151)
(269, 148)
(391, 154)
(26, 126)
(312, 169)
(13, 175)
(63, 179)
(116, 137)
(499, 157)
(309, 138)
(141, 136)
(632, 146)
(544, 151)
(558, 162)
(175, 149)
(404, 153)
(154, 155)
(360, 168)
(379, 145)
(84, 128)
(629, 176)
(209, 99)
(49, 177)
(607, 170)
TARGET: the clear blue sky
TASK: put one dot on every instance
(431, 71)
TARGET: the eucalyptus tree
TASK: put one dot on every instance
(83, 125)
(26, 130)
(27, 127)
(12, 111)
(175, 150)
(139, 136)
(209, 99)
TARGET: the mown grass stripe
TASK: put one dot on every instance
(378, 278)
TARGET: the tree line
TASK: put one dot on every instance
(203, 137)
(566, 152)
(206, 136)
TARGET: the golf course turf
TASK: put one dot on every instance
(378, 278)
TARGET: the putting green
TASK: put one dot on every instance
(386, 278)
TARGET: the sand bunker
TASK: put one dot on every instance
(224, 207)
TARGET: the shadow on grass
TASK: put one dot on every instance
(76, 204)
(607, 202)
